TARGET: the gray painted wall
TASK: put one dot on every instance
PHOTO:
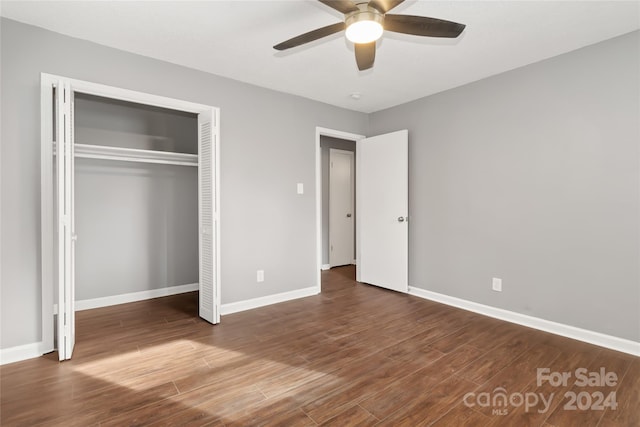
(532, 176)
(326, 143)
(267, 146)
(137, 223)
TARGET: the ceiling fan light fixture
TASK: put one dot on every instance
(365, 22)
(364, 26)
(364, 32)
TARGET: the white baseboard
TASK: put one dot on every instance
(21, 352)
(88, 304)
(591, 337)
(235, 307)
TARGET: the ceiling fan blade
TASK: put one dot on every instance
(422, 26)
(384, 6)
(344, 6)
(365, 55)
(310, 36)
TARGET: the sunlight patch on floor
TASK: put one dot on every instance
(153, 365)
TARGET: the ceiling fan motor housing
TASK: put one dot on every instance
(366, 13)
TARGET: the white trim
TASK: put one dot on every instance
(325, 267)
(320, 131)
(88, 304)
(22, 352)
(127, 95)
(235, 307)
(591, 337)
(338, 134)
(47, 213)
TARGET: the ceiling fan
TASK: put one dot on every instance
(365, 22)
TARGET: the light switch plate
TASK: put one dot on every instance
(300, 188)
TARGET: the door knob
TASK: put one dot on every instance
(400, 219)
(348, 215)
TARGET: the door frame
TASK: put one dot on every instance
(322, 131)
(352, 164)
(49, 81)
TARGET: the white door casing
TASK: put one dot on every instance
(320, 132)
(341, 207)
(382, 203)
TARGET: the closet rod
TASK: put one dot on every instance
(103, 152)
(135, 159)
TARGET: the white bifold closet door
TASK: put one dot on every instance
(65, 224)
(207, 217)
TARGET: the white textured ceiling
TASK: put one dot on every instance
(235, 39)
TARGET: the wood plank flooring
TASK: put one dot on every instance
(355, 355)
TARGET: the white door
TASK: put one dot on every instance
(341, 204)
(382, 203)
(207, 218)
(65, 220)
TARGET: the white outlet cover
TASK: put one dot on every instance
(300, 188)
(496, 284)
(260, 275)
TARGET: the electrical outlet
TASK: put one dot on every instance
(496, 284)
(260, 276)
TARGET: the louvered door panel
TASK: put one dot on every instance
(207, 217)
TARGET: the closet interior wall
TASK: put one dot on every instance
(136, 222)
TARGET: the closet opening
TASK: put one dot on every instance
(136, 221)
(130, 202)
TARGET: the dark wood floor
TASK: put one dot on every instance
(354, 355)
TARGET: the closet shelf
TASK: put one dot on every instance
(104, 152)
